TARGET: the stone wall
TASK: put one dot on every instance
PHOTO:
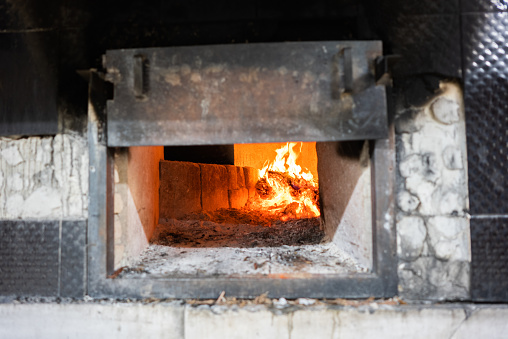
(47, 178)
(187, 187)
(432, 198)
(44, 177)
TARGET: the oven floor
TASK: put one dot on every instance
(237, 228)
(166, 261)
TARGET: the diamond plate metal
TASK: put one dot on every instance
(73, 252)
(484, 5)
(29, 257)
(427, 44)
(486, 102)
(421, 7)
(489, 246)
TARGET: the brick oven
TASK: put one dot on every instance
(134, 140)
(321, 93)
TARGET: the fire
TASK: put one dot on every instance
(285, 189)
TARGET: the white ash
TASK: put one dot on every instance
(158, 260)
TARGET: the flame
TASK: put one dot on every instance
(284, 188)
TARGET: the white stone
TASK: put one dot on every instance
(306, 301)
(16, 182)
(432, 153)
(451, 202)
(445, 111)
(411, 233)
(75, 204)
(43, 202)
(14, 206)
(428, 278)
(449, 237)
(1, 179)
(12, 156)
(424, 191)
(452, 158)
(407, 202)
(60, 164)
(434, 137)
(281, 303)
(411, 165)
(44, 152)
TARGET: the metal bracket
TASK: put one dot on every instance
(384, 66)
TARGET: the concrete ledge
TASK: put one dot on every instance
(174, 320)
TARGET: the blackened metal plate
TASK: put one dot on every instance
(29, 257)
(485, 61)
(427, 44)
(28, 83)
(489, 247)
(73, 253)
(225, 94)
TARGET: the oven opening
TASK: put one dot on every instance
(267, 196)
(290, 209)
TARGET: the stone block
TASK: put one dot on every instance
(44, 202)
(12, 156)
(232, 177)
(445, 111)
(251, 175)
(449, 238)
(47, 176)
(452, 158)
(180, 188)
(411, 233)
(407, 202)
(238, 198)
(240, 177)
(214, 184)
(252, 192)
(428, 278)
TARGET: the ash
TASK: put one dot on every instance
(237, 228)
(295, 261)
(240, 242)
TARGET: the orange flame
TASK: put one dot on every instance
(285, 189)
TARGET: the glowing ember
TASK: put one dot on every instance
(284, 189)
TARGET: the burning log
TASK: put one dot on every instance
(284, 189)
